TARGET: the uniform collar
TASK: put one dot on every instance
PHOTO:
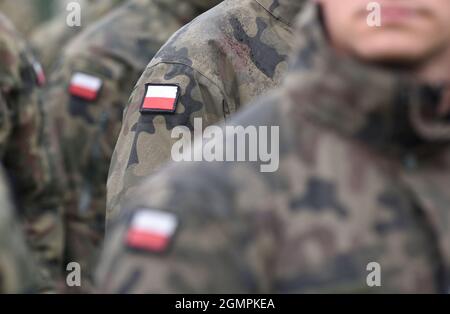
(283, 10)
(384, 109)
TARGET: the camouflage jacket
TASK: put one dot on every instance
(48, 39)
(111, 54)
(219, 62)
(363, 178)
(17, 271)
(29, 150)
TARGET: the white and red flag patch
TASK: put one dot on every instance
(85, 86)
(160, 98)
(40, 74)
(152, 230)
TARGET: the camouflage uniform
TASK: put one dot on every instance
(220, 61)
(48, 39)
(364, 176)
(29, 150)
(17, 272)
(114, 51)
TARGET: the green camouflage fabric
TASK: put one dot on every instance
(48, 39)
(116, 51)
(17, 271)
(220, 61)
(363, 178)
(29, 152)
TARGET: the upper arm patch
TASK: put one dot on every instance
(41, 79)
(85, 86)
(152, 230)
(160, 98)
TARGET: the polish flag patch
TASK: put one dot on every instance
(152, 230)
(85, 86)
(160, 98)
(40, 74)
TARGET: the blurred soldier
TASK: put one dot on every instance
(48, 39)
(17, 272)
(363, 181)
(28, 150)
(210, 69)
(87, 95)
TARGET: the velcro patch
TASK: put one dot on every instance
(40, 74)
(152, 230)
(160, 98)
(85, 86)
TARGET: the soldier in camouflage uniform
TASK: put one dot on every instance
(364, 176)
(29, 152)
(48, 39)
(220, 62)
(17, 271)
(86, 97)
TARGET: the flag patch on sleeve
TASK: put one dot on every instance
(160, 98)
(40, 74)
(152, 230)
(85, 86)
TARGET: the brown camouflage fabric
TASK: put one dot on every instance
(115, 50)
(17, 271)
(48, 39)
(364, 176)
(29, 151)
(221, 61)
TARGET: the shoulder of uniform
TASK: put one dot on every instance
(202, 38)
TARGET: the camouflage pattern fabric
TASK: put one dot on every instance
(113, 52)
(29, 151)
(48, 39)
(364, 176)
(17, 271)
(220, 62)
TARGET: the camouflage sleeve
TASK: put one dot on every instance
(31, 158)
(179, 239)
(146, 139)
(17, 272)
(88, 126)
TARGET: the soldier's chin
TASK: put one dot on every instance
(394, 56)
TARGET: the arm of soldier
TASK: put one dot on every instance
(17, 272)
(32, 158)
(146, 141)
(88, 125)
(188, 231)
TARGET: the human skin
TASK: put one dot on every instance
(411, 32)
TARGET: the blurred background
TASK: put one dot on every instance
(27, 14)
